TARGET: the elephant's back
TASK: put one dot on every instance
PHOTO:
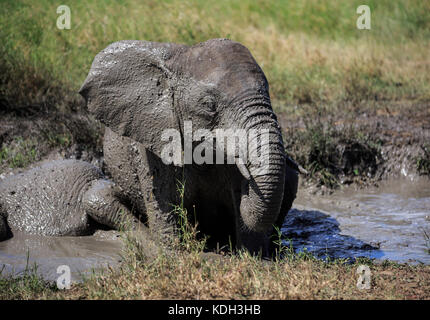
(47, 199)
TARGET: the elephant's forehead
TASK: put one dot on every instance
(224, 63)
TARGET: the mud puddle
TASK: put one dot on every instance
(388, 222)
(82, 254)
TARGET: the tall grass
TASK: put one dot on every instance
(310, 50)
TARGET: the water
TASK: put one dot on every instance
(82, 254)
(388, 222)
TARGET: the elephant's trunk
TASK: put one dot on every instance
(263, 193)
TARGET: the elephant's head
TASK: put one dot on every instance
(139, 88)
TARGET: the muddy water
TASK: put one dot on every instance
(388, 222)
(82, 254)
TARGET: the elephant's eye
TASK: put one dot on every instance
(209, 104)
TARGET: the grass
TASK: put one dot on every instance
(20, 153)
(310, 50)
(330, 151)
(188, 233)
(27, 285)
(189, 275)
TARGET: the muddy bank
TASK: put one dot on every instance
(359, 145)
(337, 145)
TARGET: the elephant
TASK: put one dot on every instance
(139, 90)
(62, 198)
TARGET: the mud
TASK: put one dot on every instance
(82, 254)
(359, 144)
(385, 222)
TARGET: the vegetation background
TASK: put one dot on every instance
(311, 51)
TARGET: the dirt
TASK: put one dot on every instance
(369, 143)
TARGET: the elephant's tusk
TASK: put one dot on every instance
(302, 170)
(292, 164)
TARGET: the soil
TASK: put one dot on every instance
(398, 133)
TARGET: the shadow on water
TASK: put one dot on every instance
(320, 235)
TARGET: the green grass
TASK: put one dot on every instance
(310, 50)
(20, 154)
(187, 230)
(26, 285)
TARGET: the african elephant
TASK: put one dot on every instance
(140, 89)
(60, 198)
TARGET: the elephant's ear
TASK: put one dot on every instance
(128, 90)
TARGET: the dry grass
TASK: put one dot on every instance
(310, 50)
(188, 276)
(190, 273)
(191, 276)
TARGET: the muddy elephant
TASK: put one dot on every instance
(140, 90)
(62, 198)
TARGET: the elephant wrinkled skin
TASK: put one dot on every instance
(138, 89)
(59, 198)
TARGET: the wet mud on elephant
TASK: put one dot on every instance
(139, 89)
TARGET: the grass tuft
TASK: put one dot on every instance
(188, 232)
(20, 153)
(423, 162)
